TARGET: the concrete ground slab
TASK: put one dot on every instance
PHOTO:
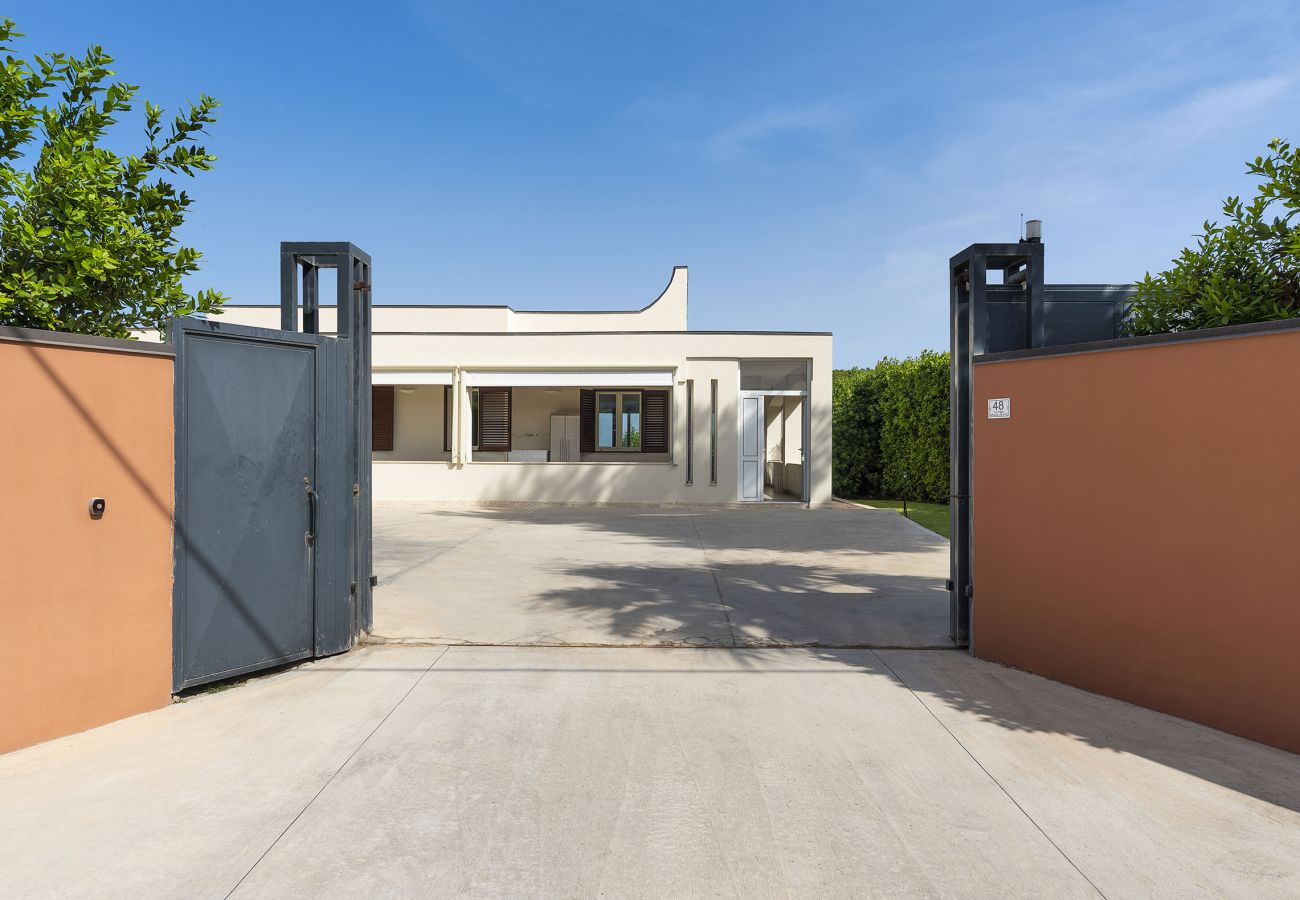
(420, 771)
(182, 801)
(1147, 804)
(607, 772)
(601, 576)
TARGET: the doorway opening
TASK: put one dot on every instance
(773, 432)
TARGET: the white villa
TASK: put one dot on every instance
(493, 404)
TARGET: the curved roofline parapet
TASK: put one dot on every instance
(672, 279)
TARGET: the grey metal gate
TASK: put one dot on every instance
(264, 555)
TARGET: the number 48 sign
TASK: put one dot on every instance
(1000, 408)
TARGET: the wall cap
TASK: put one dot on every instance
(1147, 340)
(533, 334)
(83, 341)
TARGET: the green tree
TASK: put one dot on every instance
(87, 237)
(1247, 270)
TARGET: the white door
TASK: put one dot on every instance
(751, 447)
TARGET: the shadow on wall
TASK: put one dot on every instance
(163, 506)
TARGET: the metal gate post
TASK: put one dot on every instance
(959, 419)
(354, 329)
(1021, 264)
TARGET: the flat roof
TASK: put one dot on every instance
(553, 333)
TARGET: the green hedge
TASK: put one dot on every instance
(890, 429)
(855, 438)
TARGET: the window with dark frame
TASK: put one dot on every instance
(690, 431)
(713, 431)
(618, 420)
(625, 421)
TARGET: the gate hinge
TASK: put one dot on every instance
(947, 585)
(361, 285)
(374, 580)
(353, 588)
(356, 489)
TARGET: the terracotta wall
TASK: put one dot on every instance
(1137, 526)
(86, 603)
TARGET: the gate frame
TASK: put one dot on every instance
(968, 284)
(970, 295)
(331, 632)
(353, 301)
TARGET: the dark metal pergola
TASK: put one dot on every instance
(301, 262)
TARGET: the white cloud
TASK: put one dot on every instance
(739, 139)
(1208, 112)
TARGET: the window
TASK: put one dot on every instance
(713, 431)
(625, 421)
(629, 423)
(690, 431)
(618, 420)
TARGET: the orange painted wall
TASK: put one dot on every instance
(1137, 527)
(86, 604)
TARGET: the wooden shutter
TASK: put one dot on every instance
(587, 429)
(446, 418)
(654, 421)
(381, 417)
(494, 419)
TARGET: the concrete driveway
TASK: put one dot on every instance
(425, 771)
(582, 576)
(719, 770)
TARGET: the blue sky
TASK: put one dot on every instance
(814, 164)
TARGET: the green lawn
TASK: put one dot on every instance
(933, 516)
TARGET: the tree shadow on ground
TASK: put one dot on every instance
(772, 604)
(758, 528)
(789, 567)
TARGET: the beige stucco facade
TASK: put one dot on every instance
(438, 355)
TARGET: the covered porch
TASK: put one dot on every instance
(464, 417)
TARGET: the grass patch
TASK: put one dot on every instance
(933, 516)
